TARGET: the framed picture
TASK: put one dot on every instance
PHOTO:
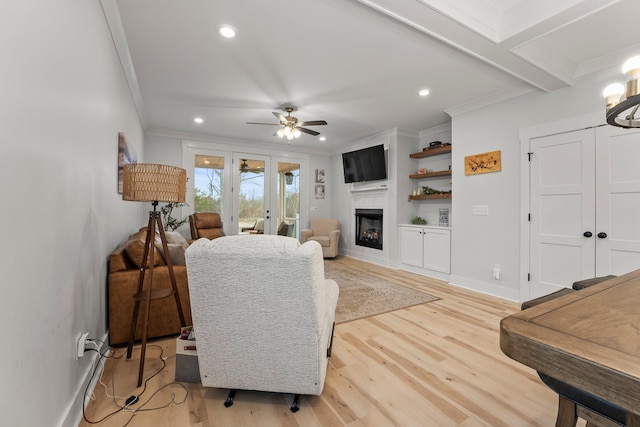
(320, 176)
(126, 155)
(482, 163)
(319, 191)
(443, 217)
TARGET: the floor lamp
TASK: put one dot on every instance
(147, 182)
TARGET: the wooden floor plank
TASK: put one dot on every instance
(434, 364)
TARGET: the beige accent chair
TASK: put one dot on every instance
(326, 232)
(263, 313)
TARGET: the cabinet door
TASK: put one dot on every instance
(437, 250)
(411, 246)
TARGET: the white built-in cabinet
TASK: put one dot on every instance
(425, 250)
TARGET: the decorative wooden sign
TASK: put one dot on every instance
(482, 163)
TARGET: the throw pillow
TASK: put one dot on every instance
(135, 249)
(176, 245)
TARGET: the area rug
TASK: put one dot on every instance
(364, 295)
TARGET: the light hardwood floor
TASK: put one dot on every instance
(435, 364)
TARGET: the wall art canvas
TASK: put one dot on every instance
(126, 155)
(482, 163)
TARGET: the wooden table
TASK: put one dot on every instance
(589, 339)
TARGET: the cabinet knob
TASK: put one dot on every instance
(587, 234)
(602, 235)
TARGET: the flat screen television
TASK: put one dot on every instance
(368, 164)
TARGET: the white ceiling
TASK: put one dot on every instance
(356, 64)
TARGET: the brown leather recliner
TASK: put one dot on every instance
(206, 224)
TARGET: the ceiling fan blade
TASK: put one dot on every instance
(280, 117)
(314, 123)
(268, 124)
(309, 131)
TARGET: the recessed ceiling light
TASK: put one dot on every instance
(323, 138)
(424, 92)
(227, 31)
(198, 120)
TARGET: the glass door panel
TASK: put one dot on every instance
(288, 195)
(251, 194)
(208, 185)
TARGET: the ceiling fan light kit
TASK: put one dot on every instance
(623, 101)
(289, 126)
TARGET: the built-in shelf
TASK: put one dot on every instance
(434, 174)
(435, 151)
(430, 196)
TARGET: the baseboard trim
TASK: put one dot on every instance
(73, 413)
(379, 260)
(485, 288)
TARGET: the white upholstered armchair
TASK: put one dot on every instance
(263, 313)
(324, 231)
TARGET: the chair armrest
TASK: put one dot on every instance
(333, 237)
(305, 234)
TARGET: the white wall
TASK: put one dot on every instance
(479, 242)
(64, 100)
(321, 208)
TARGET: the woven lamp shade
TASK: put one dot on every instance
(149, 182)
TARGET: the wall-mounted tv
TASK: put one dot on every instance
(368, 164)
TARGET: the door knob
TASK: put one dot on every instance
(587, 234)
(602, 235)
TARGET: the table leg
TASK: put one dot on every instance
(567, 413)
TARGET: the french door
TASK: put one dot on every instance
(246, 189)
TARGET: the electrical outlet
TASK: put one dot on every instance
(80, 342)
(496, 271)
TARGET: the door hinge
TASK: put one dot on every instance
(529, 217)
(529, 154)
(528, 277)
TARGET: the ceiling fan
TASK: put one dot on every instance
(289, 125)
(251, 166)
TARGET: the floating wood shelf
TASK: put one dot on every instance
(434, 174)
(430, 196)
(435, 151)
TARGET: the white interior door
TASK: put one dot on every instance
(617, 200)
(562, 223)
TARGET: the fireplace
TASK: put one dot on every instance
(369, 228)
